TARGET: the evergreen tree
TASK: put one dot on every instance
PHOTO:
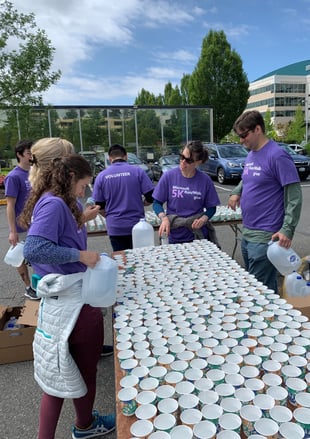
(219, 81)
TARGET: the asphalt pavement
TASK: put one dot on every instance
(20, 395)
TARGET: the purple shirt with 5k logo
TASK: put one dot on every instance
(185, 197)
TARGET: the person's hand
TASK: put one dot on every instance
(89, 258)
(91, 212)
(199, 222)
(282, 239)
(13, 238)
(164, 228)
(234, 201)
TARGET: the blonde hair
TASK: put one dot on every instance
(44, 151)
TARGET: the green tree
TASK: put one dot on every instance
(25, 71)
(269, 127)
(296, 128)
(219, 81)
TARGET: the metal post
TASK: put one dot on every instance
(109, 127)
(80, 129)
(49, 122)
(136, 130)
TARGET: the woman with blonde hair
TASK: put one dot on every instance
(44, 151)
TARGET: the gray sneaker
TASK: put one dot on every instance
(31, 294)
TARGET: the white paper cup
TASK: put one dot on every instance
(289, 430)
(230, 421)
(164, 422)
(207, 397)
(146, 411)
(264, 402)
(255, 384)
(129, 381)
(168, 405)
(228, 434)
(159, 435)
(127, 398)
(249, 415)
(280, 414)
(181, 432)
(204, 430)
(302, 418)
(188, 401)
(271, 379)
(246, 396)
(303, 399)
(279, 394)
(294, 386)
(267, 428)
(149, 384)
(165, 391)
(212, 413)
(202, 385)
(216, 375)
(184, 388)
(231, 405)
(173, 378)
(141, 429)
(146, 397)
(190, 417)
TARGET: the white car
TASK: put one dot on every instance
(297, 148)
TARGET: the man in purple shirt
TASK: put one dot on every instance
(269, 195)
(17, 188)
(119, 191)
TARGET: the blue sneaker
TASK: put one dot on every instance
(101, 425)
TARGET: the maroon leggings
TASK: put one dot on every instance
(85, 344)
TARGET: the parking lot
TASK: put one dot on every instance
(20, 396)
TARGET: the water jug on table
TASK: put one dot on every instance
(142, 234)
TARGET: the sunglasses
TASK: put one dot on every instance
(244, 134)
(187, 159)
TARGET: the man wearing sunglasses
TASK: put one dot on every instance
(269, 194)
(190, 197)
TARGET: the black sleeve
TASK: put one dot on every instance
(101, 204)
(149, 196)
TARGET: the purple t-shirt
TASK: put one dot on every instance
(17, 186)
(185, 197)
(121, 186)
(265, 174)
(53, 220)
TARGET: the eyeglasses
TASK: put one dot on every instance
(244, 134)
(187, 159)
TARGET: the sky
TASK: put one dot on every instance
(108, 50)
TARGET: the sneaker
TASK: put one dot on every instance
(107, 350)
(31, 294)
(101, 425)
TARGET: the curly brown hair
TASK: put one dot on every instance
(58, 178)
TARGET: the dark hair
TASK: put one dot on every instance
(249, 121)
(117, 150)
(57, 178)
(21, 146)
(197, 150)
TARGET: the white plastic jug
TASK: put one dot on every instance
(295, 285)
(284, 259)
(100, 283)
(142, 234)
(15, 255)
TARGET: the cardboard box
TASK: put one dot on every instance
(299, 302)
(16, 345)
